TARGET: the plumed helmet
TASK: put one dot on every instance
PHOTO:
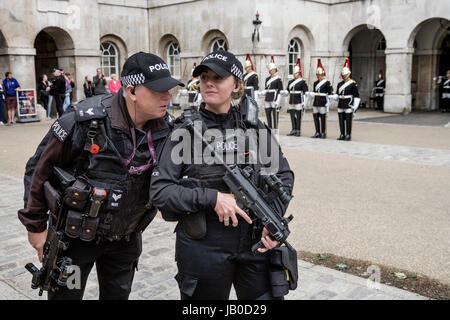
(272, 64)
(346, 69)
(320, 69)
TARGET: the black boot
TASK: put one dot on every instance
(298, 122)
(341, 125)
(323, 120)
(275, 118)
(269, 117)
(348, 120)
(317, 125)
(293, 121)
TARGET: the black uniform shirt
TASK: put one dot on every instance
(350, 90)
(321, 101)
(252, 81)
(379, 86)
(296, 98)
(166, 191)
(277, 85)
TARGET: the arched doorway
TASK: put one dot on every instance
(366, 51)
(431, 43)
(4, 64)
(54, 47)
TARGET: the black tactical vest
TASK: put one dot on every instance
(127, 195)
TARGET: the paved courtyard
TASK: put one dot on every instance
(382, 197)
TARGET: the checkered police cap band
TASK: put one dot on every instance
(237, 72)
(133, 79)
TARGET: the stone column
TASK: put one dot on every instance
(398, 80)
(20, 62)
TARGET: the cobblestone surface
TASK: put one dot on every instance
(426, 156)
(157, 268)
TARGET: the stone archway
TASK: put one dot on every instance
(431, 44)
(4, 63)
(366, 51)
(54, 47)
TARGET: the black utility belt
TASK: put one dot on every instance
(90, 208)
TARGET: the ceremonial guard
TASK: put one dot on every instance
(379, 90)
(320, 101)
(272, 92)
(296, 88)
(250, 78)
(444, 90)
(349, 100)
(193, 88)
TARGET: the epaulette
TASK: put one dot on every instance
(91, 108)
(63, 127)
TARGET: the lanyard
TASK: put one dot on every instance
(151, 148)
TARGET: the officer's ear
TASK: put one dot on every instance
(130, 91)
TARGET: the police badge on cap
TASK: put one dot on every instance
(149, 70)
(223, 63)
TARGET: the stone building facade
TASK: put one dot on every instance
(409, 40)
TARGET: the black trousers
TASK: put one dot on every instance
(115, 262)
(380, 102)
(44, 100)
(59, 102)
(207, 268)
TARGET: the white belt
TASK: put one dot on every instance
(272, 90)
(249, 87)
(320, 94)
(446, 87)
(346, 97)
(295, 92)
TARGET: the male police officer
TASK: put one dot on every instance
(108, 143)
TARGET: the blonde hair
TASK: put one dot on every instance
(241, 92)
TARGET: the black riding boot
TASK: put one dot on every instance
(323, 120)
(275, 118)
(298, 122)
(317, 125)
(342, 125)
(269, 117)
(293, 123)
(348, 120)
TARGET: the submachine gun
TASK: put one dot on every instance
(249, 197)
(56, 268)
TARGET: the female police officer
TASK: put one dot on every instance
(212, 252)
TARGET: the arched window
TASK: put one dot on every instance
(110, 59)
(173, 59)
(381, 44)
(294, 54)
(219, 44)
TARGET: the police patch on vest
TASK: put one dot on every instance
(59, 132)
(115, 199)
